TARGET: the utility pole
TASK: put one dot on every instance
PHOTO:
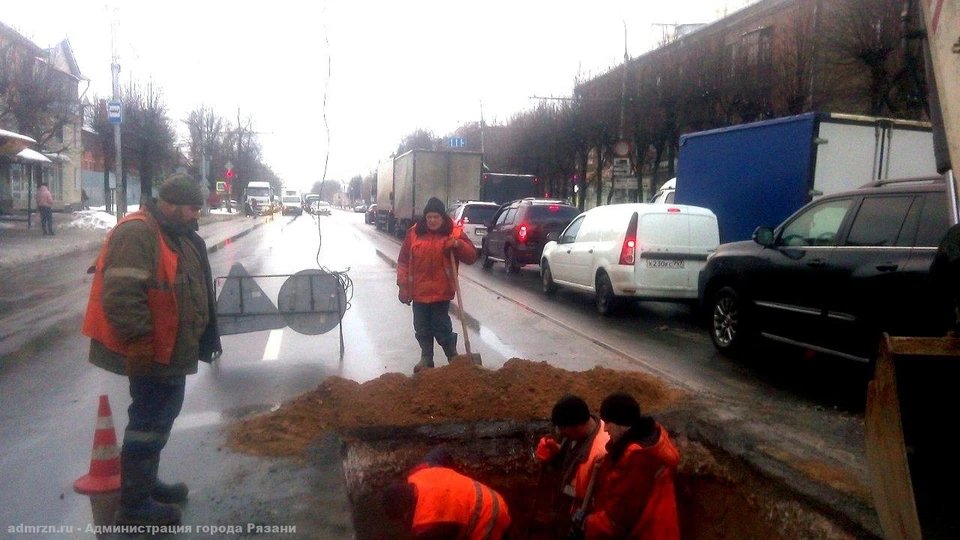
(204, 186)
(118, 164)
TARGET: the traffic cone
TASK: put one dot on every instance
(104, 473)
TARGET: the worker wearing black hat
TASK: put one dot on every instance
(426, 279)
(151, 316)
(634, 494)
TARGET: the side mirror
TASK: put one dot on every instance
(553, 237)
(763, 236)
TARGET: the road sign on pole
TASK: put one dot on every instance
(457, 142)
(115, 112)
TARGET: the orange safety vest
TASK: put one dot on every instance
(161, 300)
(582, 477)
(446, 496)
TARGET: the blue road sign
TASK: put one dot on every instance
(115, 112)
(457, 142)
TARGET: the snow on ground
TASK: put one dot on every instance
(95, 218)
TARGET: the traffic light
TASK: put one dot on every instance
(230, 173)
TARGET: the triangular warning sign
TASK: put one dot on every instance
(243, 307)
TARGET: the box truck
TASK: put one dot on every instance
(406, 182)
(758, 174)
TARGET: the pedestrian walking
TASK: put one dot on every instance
(151, 316)
(426, 279)
(45, 207)
(84, 199)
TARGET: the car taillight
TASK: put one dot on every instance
(523, 232)
(628, 253)
(553, 208)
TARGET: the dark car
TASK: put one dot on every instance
(518, 231)
(834, 275)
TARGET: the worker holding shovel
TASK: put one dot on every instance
(426, 279)
(633, 496)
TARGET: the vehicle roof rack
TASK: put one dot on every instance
(893, 181)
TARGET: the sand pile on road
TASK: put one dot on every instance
(521, 389)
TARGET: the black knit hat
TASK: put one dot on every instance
(620, 408)
(570, 411)
(435, 205)
(182, 190)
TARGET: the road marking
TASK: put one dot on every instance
(272, 352)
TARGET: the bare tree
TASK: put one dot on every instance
(419, 139)
(100, 124)
(206, 138)
(148, 137)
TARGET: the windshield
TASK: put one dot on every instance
(258, 192)
(294, 200)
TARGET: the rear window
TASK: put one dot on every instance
(479, 214)
(559, 212)
(878, 221)
(688, 230)
(291, 199)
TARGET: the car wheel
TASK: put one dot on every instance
(607, 302)
(510, 261)
(729, 328)
(485, 259)
(546, 279)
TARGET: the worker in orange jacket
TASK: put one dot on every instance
(425, 278)
(634, 495)
(582, 441)
(437, 502)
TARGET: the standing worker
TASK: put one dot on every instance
(634, 495)
(426, 279)
(584, 441)
(45, 207)
(151, 316)
(437, 502)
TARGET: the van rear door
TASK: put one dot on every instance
(674, 245)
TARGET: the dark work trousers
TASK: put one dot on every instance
(46, 219)
(432, 321)
(156, 404)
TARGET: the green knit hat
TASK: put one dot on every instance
(180, 189)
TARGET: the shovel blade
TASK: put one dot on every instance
(469, 359)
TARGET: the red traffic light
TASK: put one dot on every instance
(230, 173)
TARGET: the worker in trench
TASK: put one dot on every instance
(579, 441)
(438, 502)
(633, 496)
(424, 278)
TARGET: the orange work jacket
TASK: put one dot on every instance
(446, 496)
(161, 300)
(424, 274)
(635, 497)
(581, 479)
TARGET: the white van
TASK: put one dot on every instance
(639, 251)
(666, 192)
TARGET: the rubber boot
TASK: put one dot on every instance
(137, 506)
(167, 493)
(450, 347)
(424, 363)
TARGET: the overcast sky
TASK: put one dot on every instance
(394, 66)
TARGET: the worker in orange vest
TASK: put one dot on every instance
(437, 502)
(634, 494)
(582, 441)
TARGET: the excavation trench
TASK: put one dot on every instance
(718, 496)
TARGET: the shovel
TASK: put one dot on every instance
(469, 358)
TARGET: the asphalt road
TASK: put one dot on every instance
(774, 407)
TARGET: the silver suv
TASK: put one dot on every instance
(473, 216)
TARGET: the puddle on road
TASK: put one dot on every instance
(206, 418)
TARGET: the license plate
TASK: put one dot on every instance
(662, 263)
(480, 231)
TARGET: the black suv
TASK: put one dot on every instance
(518, 231)
(835, 274)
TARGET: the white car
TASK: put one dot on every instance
(323, 208)
(632, 251)
(473, 217)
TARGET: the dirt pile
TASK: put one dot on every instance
(521, 389)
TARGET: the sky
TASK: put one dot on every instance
(384, 68)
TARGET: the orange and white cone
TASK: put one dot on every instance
(104, 473)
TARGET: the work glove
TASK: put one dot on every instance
(451, 243)
(139, 359)
(547, 449)
(404, 298)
